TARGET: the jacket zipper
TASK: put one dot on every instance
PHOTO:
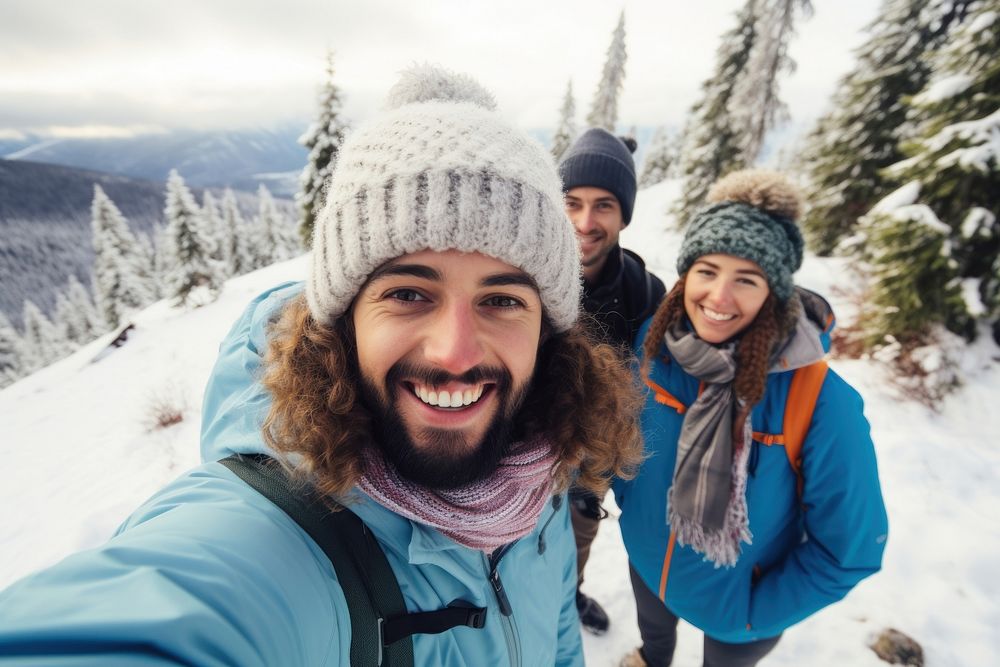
(506, 611)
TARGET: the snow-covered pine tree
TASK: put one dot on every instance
(990, 292)
(147, 252)
(274, 237)
(122, 282)
(70, 327)
(756, 106)
(43, 342)
(862, 133)
(212, 219)
(195, 276)
(604, 110)
(235, 234)
(566, 130)
(11, 352)
(914, 278)
(76, 314)
(163, 259)
(660, 162)
(710, 148)
(323, 139)
(955, 153)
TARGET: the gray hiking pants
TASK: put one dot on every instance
(658, 629)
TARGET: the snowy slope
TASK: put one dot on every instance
(79, 456)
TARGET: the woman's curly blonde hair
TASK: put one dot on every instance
(583, 397)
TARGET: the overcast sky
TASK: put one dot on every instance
(121, 66)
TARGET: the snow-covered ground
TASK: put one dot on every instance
(79, 454)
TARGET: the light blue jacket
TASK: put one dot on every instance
(804, 560)
(208, 572)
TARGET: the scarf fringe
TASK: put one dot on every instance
(721, 547)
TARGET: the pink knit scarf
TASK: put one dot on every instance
(483, 515)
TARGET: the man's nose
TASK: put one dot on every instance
(453, 342)
(583, 220)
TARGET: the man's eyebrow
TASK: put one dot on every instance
(507, 279)
(414, 270)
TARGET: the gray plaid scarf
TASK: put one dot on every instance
(706, 505)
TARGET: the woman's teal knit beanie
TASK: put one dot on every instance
(751, 214)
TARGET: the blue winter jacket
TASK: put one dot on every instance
(799, 561)
(208, 572)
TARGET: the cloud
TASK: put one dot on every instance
(239, 63)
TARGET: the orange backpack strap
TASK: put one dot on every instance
(799, 406)
(665, 397)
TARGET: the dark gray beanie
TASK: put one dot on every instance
(751, 215)
(599, 159)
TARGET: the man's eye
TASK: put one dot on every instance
(406, 295)
(503, 302)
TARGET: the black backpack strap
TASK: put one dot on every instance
(363, 572)
(380, 625)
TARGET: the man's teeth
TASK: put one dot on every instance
(446, 399)
(718, 317)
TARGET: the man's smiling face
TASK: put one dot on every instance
(446, 344)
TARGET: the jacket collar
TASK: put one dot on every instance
(418, 544)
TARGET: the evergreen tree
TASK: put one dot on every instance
(235, 236)
(272, 230)
(77, 315)
(604, 111)
(212, 220)
(163, 259)
(711, 147)
(121, 276)
(755, 106)
(660, 162)
(323, 139)
(194, 271)
(990, 290)
(147, 255)
(566, 130)
(11, 352)
(43, 342)
(955, 153)
(862, 133)
(906, 303)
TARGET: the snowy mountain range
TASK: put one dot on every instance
(240, 159)
(81, 451)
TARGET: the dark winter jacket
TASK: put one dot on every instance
(624, 296)
(807, 551)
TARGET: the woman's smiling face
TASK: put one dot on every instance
(722, 295)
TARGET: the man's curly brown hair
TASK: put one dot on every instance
(583, 397)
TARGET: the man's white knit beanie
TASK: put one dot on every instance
(438, 169)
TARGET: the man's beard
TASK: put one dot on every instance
(445, 460)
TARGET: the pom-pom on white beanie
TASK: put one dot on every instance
(438, 169)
